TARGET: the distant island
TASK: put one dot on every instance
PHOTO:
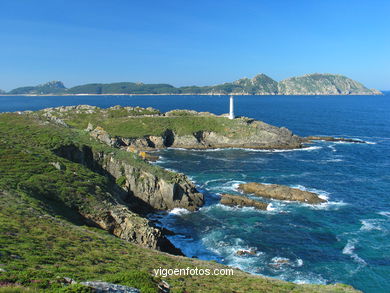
(261, 84)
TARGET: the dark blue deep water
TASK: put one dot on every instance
(345, 240)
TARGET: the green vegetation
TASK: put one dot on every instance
(53, 87)
(261, 84)
(44, 239)
(130, 123)
(123, 88)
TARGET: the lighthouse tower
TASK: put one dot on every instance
(231, 109)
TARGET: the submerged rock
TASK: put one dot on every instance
(280, 192)
(237, 200)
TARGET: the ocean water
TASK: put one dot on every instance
(344, 240)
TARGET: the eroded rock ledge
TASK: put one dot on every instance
(241, 201)
(280, 192)
(334, 139)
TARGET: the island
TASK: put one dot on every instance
(76, 186)
(261, 84)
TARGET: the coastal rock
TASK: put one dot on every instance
(280, 192)
(241, 201)
(251, 134)
(246, 252)
(103, 287)
(138, 185)
(120, 221)
(335, 139)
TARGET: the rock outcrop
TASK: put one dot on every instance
(133, 190)
(137, 184)
(335, 139)
(250, 134)
(120, 221)
(104, 287)
(280, 192)
(241, 201)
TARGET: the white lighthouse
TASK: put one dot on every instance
(231, 109)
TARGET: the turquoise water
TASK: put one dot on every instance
(345, 240)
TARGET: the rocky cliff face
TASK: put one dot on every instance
(134, 190)
(139, 187)
(249, 134)
(323, 84)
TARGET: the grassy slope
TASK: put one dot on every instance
(119, 122)
(42, 236)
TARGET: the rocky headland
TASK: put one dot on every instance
(280, 192)
(149, 129)
(76, 187)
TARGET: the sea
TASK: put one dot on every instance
(345, 240)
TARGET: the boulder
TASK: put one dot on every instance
(237, 200)
(280, 192)
(101, 287)
(245, 252)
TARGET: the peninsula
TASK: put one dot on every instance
(76, 185)
(261, 84)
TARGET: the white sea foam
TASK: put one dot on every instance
(321, 193)
(371, 224)
(334, 160)
(384, 213)
(270, 207)
(299, 262)
(349, 249)
(229, 186)
(179, 211)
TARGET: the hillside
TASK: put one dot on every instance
(52, 87)
(323, 84)
(261, 84)
(73, 205)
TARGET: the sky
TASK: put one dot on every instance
(192, 42)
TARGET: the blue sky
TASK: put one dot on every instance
(185, 42)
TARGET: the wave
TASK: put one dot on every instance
(371, 225)
(321, 193)
(228, 186)
(349, 249)
(311, 148)
(384, 213)
(179, 211)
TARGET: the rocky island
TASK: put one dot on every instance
(280, 192)
(261, 84)
(76, 186)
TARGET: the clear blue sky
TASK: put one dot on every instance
(193, 41)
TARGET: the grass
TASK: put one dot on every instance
(124, 123)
